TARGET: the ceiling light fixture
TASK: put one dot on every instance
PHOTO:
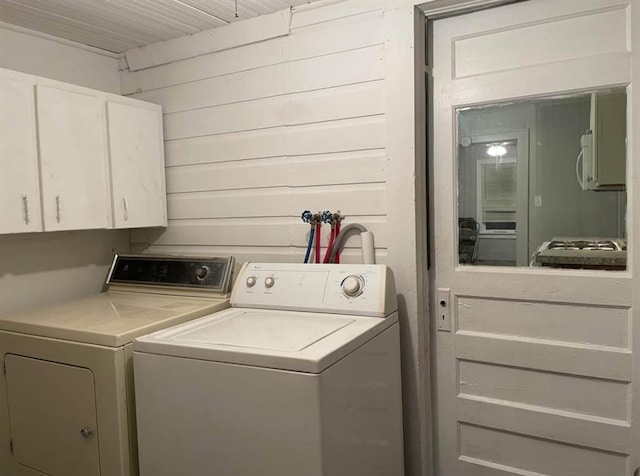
(496, 150)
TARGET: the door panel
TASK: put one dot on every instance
(536, 373)
(137, 166)
(50, 405)
(19, 184)
(72, 160)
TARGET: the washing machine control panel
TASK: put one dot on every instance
(359, 289)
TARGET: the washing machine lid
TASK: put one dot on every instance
(287, 340)
(112, 318)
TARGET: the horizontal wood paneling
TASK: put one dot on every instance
(229, 88)
(316, 106)
(255, 232)
(344, 34)
(256, 134)
(328, 137)
(265, 254)
(364, 166)
(327, 71)
(231, 36)
(362, 200)
(336, 136)
(219, 63)
(323, 12)
(329, 38)
(243, 116)
(519, 454)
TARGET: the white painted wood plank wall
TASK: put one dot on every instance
(258, 133)
(325, 115)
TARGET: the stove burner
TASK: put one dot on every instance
(603, 245)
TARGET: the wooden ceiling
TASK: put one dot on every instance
(119, 25)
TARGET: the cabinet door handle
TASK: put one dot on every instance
(25, 208)
(637, 471)
(58, 209)
(86, 432)
(125, 206)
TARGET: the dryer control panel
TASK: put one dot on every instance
(172, 271)
(356, 289)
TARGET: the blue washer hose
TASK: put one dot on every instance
(311, 235)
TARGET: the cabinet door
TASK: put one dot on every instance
(19, 186)
(72, 160)
(52, 414)
(137, 165)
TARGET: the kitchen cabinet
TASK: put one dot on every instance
(72, 159)
(19, 185)
(137, 164)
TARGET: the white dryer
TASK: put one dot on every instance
(301, 377)
(66, 396)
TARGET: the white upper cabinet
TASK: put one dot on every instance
(19, 187)
(137, 164)
(72, 160)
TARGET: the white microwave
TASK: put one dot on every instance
(603, 147)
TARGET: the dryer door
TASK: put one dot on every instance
(52, 414)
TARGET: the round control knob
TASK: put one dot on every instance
(251, 281)
(269, 282)
(202, 272)
(352, 286)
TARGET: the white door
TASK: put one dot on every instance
(137, 165)
(19, 185)
(73, 159)
(535, 366)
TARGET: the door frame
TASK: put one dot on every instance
(426, 13)
(439, 9)
(521, 234)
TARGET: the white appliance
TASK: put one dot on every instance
(603, 147)
(66, 396)
(583, 253)
(301, 377)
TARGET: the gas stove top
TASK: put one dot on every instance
(583, 244)
(587, 253)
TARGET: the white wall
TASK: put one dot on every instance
(317, 117)
(43, 55)
(257, 134)
(41, 268)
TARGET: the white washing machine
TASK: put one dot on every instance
(66, 396)
(301, 377)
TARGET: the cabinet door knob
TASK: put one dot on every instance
(86, 432)
(58, 209)
(125, 206)
(25, 208)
